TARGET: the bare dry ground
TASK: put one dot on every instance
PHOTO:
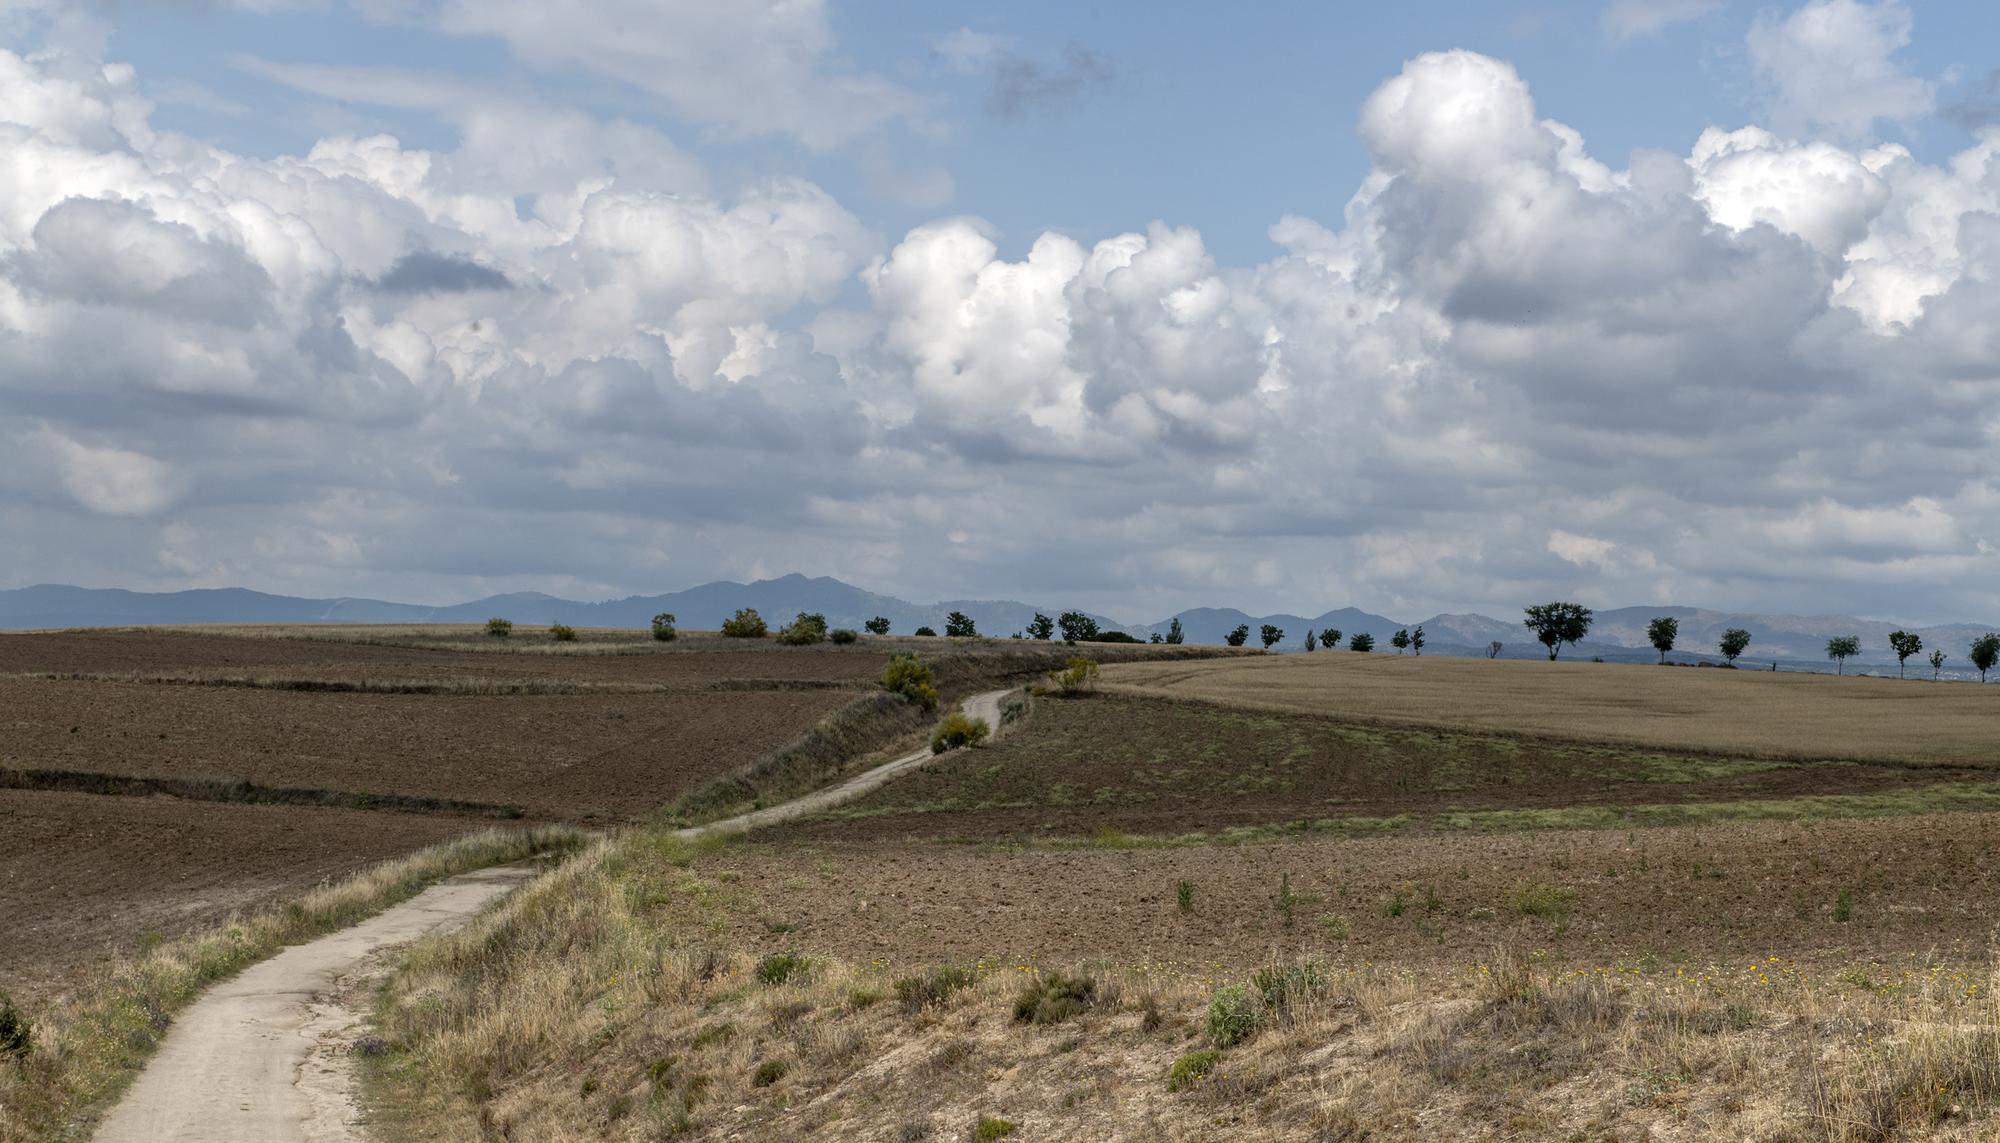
(1663, 708)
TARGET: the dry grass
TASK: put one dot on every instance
(1767, 714)
(90, 1044)
(576, 1012)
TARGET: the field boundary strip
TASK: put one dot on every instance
(448, 687)
(247, 793)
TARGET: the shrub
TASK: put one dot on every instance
(780, 967)
(878, 625)
(924, 633)
(1079, 676)
(1184, 896)
(499, 628)
(990, 1129)
(919, 992)
(1362, 641)
(768, 1073)
(959, 625)
(663, 627)
(957, 730)
(746, 624)
(17, 1035)
(1843, 906)
(1281, 985)
(807, 629)
(1539, 899)
(562, 633)
(907, 675)
(1114, 637)
(1054, 998)
(1190, 1069)
(1233, 1015)
(841, 636)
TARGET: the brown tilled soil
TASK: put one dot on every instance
(82, 876)
(1155, 765)
(571, 757)
(1649, 896)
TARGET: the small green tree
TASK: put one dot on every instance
(1985, 653)
(1271, 633)
(1362, 641)
(1904, 644)
(1400, 640)
(1557, 623)
(745, 624)
(1042, 627)
(958, 625)
(1417, 640)
(663, 627)
(924, 633)
(807, 629)
(1077, 627)
(878, 625)
(908, 676)
(1937, 663)
(499, 628)
(1840, 647)
(1174, 633)
(1330, 638)
(1662, 632)
(1733, 642)
(1237, 637)
(1312, 640)
(562, 633)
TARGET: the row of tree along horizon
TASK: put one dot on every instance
(1554, 624)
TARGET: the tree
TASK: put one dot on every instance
(1937, 663)
(1557, 623)
(1174, 634)
(663, 627)
(1312, 639)
(746, 624)
(1417, 640)
(1904, 644)
(1662, 632)
(1985, 653)
(878, 625)
(499, 628)
(1330, 638)
(1840, 647)
(1271, 633)
(807, 629)
(1733, 642)
(1157, 638)
(1362, 641)
(924, 633)
(1235, 638)
(1042, 628)
(958, 625)
(1493, 649)
(1400, 640)
(1077, 627)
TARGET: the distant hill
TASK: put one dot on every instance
(1619, 634)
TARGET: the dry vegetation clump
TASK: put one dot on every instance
(598, 1004)
(84, 1049)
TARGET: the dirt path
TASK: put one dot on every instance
(980, 706)
(262, 1058)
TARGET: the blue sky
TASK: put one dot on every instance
(1417, 308)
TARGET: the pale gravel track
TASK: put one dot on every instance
(263, 1057)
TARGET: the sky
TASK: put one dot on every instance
(1284, 306)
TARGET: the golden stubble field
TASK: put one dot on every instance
(1669, 708)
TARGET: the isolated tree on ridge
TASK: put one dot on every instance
(1662, 632)
(1311, 639)
(1904, 644)
(1077, 627)
(1330, 639)
(1840, 647)
(1985, 653)
(959, 625)
(1733, 642)
(1236, 638)
(1271, 634)
(1417, 640)
(1400, 640)
(1362, 641)
(878, 625)
(1174, 632)
(1557, 623)
(1937, 663)
(1493, 649)
(1042, 628)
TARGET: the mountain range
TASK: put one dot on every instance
(1619, 634)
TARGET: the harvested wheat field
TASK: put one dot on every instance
(1761, 713)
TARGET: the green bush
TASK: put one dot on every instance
(841, 636)
(561, 633)
(769, 1072)
(1079, 676)
(990, 1129)
(935, 987)
(807, 629)
(1054, 998)
(17, 1035)
(878, 625)
(780, 967)
(1233, 1015)
(746, 624)
(663, 627)
(499, 628)
(1190, 1069)
(957, 730)
(1282, 985)
(925, 632)
(907, 675)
